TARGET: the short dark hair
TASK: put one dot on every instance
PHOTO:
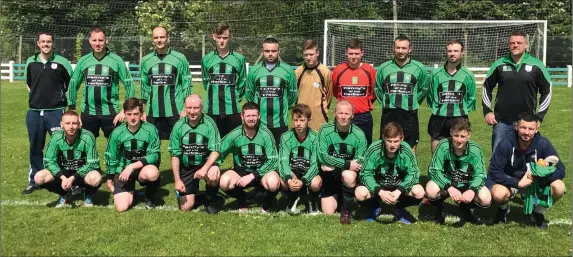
(461, 124)
(309, 44)
(70, 113)
(354, 43)
(132, 103)
(518, 34)
(220, 28)
(455, 41)
(249, 106)
(392, 130)
(97, 29)
(403, 38)
(528, 117)
(301, 109)
(44, 33)
(270, 40)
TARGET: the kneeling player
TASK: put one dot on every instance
(133, 154)
(458, 171)
(255, 159)
(298, 168)
(70, 160)
(194, 150)
(391, 174)
(341, 146)
(513, 169)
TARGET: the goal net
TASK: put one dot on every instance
(485, 41)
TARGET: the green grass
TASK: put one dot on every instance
(29, 227)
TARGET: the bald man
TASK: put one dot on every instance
(194, 149)
(341, 146)
(165, 82)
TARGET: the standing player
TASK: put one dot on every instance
(341, 147)
(165, 82)
(224, 75)
(255, 159)
(71, 160)
(194, 149)
(353, 81)
(101, 70)
(298, 168)
(510, 169)
(391, 174)
(452, 93)
(458, 171)
(133, 154)
(272, 85)
(46, 100)
(519, 76)
(314, 85)
(400, 87)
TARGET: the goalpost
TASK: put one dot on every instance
(485, 40)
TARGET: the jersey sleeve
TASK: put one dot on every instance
(75, 82)
(368, 173)
(28, 82)
(335, 85)
(432, 85)
(186, 79)
(328, 87)
(412, 176)
(272, 157)
(422, 84)
(205, 73)
(153, 151)
(489, 84)
(292, 88)
(92, 160)
(284, 167)
(250, 87)
(361, 146)
(127, 80)
(145, 88)
(51, 156)
(479, 174)
(313, 169)
(372, 84)
(174, 147)
(379, 85)
(215, 140)
(543, 81)
(436, 169)
(227, 145)
(112, 155)
(470, 92)
(241, 80)
(324, 157)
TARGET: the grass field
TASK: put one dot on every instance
(31, 227)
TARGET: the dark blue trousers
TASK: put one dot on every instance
(365, 122)
(38, 123)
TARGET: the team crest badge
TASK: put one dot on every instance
(528, 68)
(54, 66)
(316, 84)
(355, 80)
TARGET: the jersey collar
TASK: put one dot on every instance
(406, 64)
(458, 68)
(107, 52)
(198, 123)
(256, 131)
(168, 52)
(38, 59)
(305, 135)
(509, 60)
(338, 132)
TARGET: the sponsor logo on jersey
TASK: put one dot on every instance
(355, 91)
(506, 68)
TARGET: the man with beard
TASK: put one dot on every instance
(511, 170)
(452, 93)
(400, 87)
(255, 160)
(457, 170)
(165, 83)
(341, 147)
(133, 154)
(71, 160)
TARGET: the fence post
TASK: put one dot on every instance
(203, 47)
(11, 71)
(140, 49)
(247, 71)
(20, 50)
(569, 75)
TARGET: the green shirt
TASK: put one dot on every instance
(275, 91)
(449, 170)
(101, 96)
(298, 158)
(165, 83)
(381, 172)
(80, 158)
(337, 149)
(125, 147)
(257, 155)
(401, 87)
(224, 82)
(452, 95)
(193, 145)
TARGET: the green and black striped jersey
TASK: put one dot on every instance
(80, 158)
(257, 155)
(193, 145)
(337, 149)
(101, 77)
(380, 172)
(274, 90)
(452, 95)
(165, 83)
(449, 170)
(401, 87)
(224, 82)
(298, 157)
(125, 147)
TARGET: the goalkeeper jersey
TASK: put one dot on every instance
(79, 158)
(355, 86)
(257, 155)
(224, 82)
(401, 87)
(165, 83)
(193, 144)
(101, 77)
(298, 157)
(337, 149)
(452, 95)
(449, 170)
(274, 90)
(381, 172)
(125, 147)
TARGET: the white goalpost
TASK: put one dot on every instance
(485, 40)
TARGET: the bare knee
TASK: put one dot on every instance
(186, 202)
(557, 189)
(316, 184)
(43, 177)
(484, 197)
(500, 194)
(93, 178)
(149, 173)
(432, 190)
(362, 193)
(328, 205)
(349, 178)
(271, 181)
(417, 191)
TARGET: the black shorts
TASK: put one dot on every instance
(78, 182)
(125, 186)
(439, 127)
(164, 125)
(226, 123)
(242, 172)
(331, 183)
(408, 120)
(277, 133)
(93, 123)
(191, 183)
